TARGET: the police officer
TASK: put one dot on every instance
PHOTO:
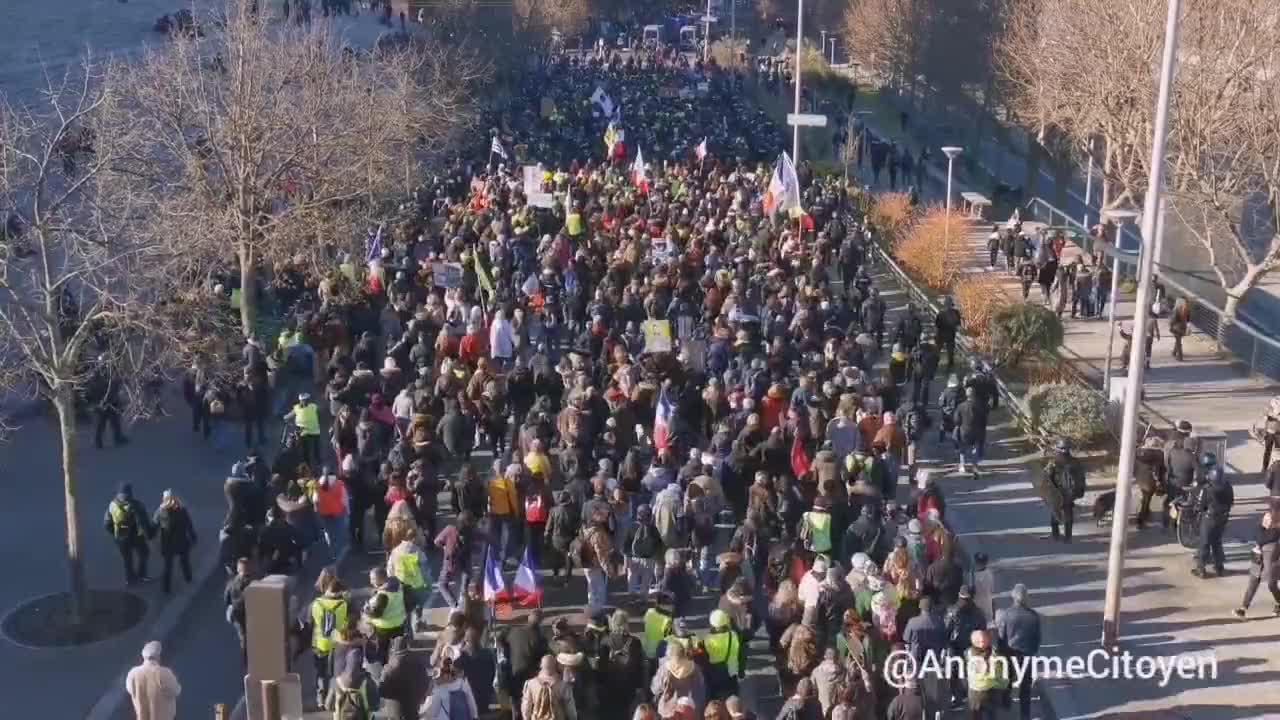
(1180, 464)
(1215, 508)
(1065, 484)
(306, 416)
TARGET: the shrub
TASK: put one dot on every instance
(933, 250)
(728, 53)
(1024, 330)
(1070, 411)
(979, 298)
(891, 214)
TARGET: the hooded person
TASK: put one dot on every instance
(355, 693)
(404, 679)
(152, 687)
(677, 678)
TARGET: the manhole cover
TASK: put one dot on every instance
(46, 622)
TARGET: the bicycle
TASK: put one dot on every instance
(1187, 517)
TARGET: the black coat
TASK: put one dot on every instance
(525, 647)
(177, 532)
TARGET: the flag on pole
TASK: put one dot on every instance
(374, 259)
(701, 150)
(601, 99)
(784, 187)
(662, 421)
(638, 175)
(612, 136)
(495, 148)
(482, 276)
(528, 588)
(495, 586)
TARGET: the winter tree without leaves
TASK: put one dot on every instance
(90, 313)
(262, 145)
(1086, 69)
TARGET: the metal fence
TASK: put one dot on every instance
(1245, 343)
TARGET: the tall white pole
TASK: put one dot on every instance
(950, 161)
(946, 220)
(733, 19)
(706, 34)
(1111, 315)
(1137, 353)
(795, 133)
(1088, 187)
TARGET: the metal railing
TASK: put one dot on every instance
(1247, 344)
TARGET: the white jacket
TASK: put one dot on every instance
(154, 690)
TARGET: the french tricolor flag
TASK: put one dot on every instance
(528, 588)
(662, 421)
(495, 586)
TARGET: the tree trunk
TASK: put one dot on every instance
(248, 293)
(64, 404)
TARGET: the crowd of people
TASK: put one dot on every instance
(701, 406)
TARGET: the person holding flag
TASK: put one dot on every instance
(639, 173)
(663, 419)
(701, 151)
(495, 148)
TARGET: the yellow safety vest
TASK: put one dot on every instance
(392, 617)
(820, 524)
(288, 339)
(321, 637)
(307, 418)
(722, 647)
(657, 627)
(409, 571)
(236, 295)
(988, 678)
(573, 224)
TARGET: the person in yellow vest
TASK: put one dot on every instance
(306, 416)
(988, 676)
(657, 627)
(328, 613)
(725, 657)
(573, 222)
(816, 529)
(384, 612)
(407, 563)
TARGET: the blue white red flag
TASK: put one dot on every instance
(528, 588)
(783, 192)
(662, 421)
(495, 586)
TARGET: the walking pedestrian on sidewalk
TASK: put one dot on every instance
(993, 246)
(1179, 324)
(152, 687)
(946, 326)
(177, 537)
(1018, 636)
(128, 523)
(1265, 565)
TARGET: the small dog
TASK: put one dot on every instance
(1102, 507)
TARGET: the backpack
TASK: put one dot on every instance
(542, 702)
(535, 508)
(124, 520)
(704, 528)
(1078, 483)
(458, 708)
(349, 704)
(644, 544)
(623, 660)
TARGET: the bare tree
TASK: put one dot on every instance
(1082, 69)
(90, 314)
(888, 37)
(263, 144)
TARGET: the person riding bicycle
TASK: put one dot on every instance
(1180, 466)
(1215, 506)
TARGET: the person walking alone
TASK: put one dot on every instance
(177, 537)
(152, 687)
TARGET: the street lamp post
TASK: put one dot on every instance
(1088, 184)
(1137, 351)
(951, 151)
(1119, 217)
(795, 131)
(833, 49)
(706, 34)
